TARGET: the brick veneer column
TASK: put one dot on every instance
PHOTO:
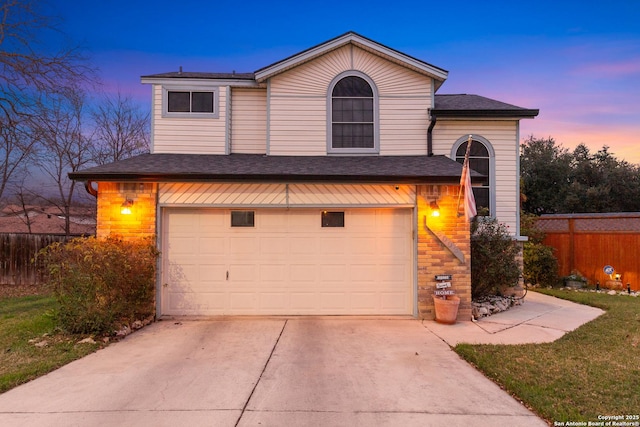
(141, 222)
(434, 257)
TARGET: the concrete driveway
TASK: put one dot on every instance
(268, 372)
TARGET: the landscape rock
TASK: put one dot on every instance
(87, 340)
(491, 305)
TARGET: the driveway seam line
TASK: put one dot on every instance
(264, 368)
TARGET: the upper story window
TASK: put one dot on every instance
(480, 160)
(352, 116)
(181, 102)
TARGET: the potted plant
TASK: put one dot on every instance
(446, 308)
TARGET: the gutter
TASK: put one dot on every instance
(88, 185)
(434, 119)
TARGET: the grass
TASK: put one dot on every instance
(594, 370)
(30, 345)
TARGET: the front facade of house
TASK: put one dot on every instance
(309, 187)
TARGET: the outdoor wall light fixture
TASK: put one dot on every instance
(435, 209)
(125, 208)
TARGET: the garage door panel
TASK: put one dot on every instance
(331, 245)
(363, 273)
(393, 246)
(271, 246)
(391, 301)
(333, 273)
(303, 273)
(363, 301)
(303, 301)
(303, 245)
(211, 245)
(196, 303)
(242, 273)
(334, 301)
(287, 263)
(243, 245)
(273, 273)
(361, 246)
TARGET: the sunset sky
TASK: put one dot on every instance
(577, 61)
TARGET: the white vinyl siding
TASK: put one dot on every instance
(502, 135)
(298, 104)
(298, 126)
(189, 135)
(249, 121)
(403, 126)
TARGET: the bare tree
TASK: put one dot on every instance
(63, 146)
(24, 203)
(16, 146)
(121, 129)
(30, 70)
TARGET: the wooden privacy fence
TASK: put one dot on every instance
(16, 254)
(588, 242)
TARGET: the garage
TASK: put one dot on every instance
(297, 261)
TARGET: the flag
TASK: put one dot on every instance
(465, 185)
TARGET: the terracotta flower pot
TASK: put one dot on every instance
(446, 309)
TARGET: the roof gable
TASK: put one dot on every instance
(424, 68)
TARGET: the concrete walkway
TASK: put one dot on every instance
(302, 371)
(540, 319)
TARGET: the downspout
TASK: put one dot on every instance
(89, 187)
(434, 119)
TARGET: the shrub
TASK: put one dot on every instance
(540, 263)
(493, 257)
(101, 283)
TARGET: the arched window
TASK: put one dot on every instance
(352, 116)
(480, 160)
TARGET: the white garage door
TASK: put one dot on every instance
(287, 262)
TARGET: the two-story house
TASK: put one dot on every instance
(311, 186)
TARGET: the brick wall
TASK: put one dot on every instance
(435, 237)
(142, 220)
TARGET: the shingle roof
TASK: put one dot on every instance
(259, 168)
(463, 105)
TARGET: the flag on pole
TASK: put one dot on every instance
(465, 185)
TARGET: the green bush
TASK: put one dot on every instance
(540, 263)
(101, 283)
(493, 257)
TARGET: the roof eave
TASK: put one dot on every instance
(198, 81)
(199, 177)
(503, 114)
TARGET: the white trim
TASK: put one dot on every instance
(376, 115)
(153, 119)
(199, 83)
(492, 165)
(268, 126)
(227, 121)
(169, 88)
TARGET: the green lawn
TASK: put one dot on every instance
(592, 371)
(30, 346)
